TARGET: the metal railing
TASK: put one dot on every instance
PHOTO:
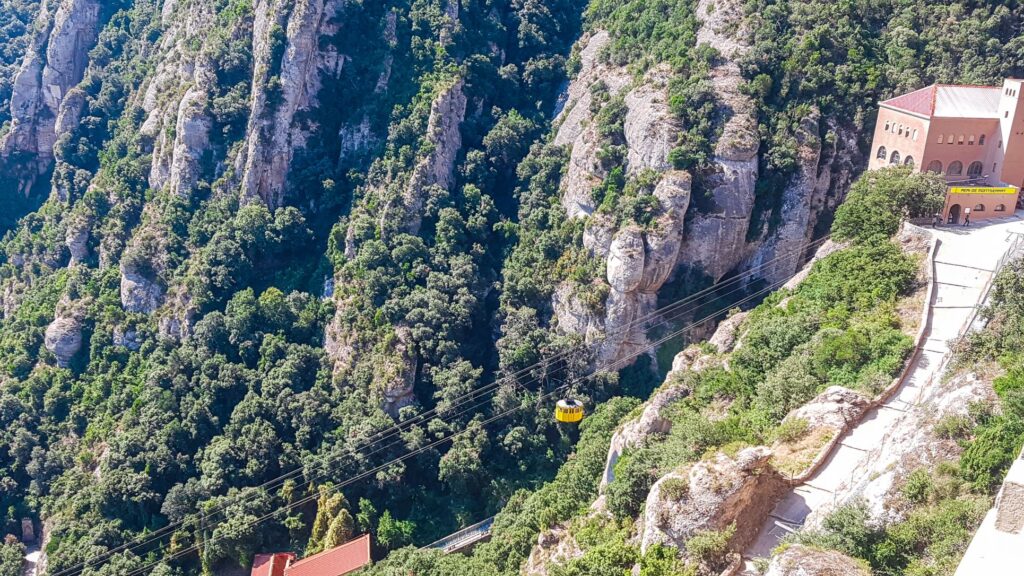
(468, 535)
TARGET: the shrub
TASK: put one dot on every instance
(792, 429)
(709, 548)
(879, 200)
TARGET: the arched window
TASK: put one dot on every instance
(915, 133)
(900, 131)
(908, 161)
(956, 168)
(887, 126)
(981, 140)
(935, 166)
(999, 208)
(978, 208)
(960, 140)
(882, 153)
(940, 139)
(974, 170)
(895, 158)
(994, 164)
(970, 141)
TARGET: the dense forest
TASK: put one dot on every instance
(244, 240)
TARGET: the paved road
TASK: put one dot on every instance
(965, 260)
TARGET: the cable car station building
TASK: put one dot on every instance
(974, 135)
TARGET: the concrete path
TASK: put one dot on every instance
(964, 263)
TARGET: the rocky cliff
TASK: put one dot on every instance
(41, 108)
(712, 234)
(276, 128)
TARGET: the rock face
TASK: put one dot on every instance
(799, 560)
(176, 101)
(139, 293)
(275, 130)
(64, 339)
(447, 112)
(652, 420)
(555, 546)
(711, 495)
(76, 238)
(836, 408)
(716, 237)
(66, 30)
(397, 374)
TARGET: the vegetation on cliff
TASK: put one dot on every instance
(177, 328)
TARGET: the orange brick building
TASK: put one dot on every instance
(974, 135)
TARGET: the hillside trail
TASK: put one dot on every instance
(965, 261)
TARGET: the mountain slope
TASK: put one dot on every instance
(245, 236)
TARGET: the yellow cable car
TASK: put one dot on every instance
(569, 410)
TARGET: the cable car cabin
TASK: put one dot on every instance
(569, 410)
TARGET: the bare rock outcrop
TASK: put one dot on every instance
(798, 560)
(649, 126)
(781, 254)
(554, 546)
(64, 339)
(76, 238)
(396, 374)
(716, 237)
(712, 495)
(275, 129)
(836, 408)
(447, 112)
(139, 291)
(66, 30)
(176, 101)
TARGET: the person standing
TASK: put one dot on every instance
(937, 220)
(967, 217)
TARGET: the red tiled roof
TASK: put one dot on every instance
(949, 100)
(346, 558)
(919, 101)
(271, 564)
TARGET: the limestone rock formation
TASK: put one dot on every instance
(397, 374)
(275, 131)
(176, 102)
(726, 336)
(716, 237)
(798, 560)
(139, 292)
(76, 238)
(447, 112)
(554, 546)
(63, 339)
(66, 31)
(783, 251)
(711, 495)
(649, 126)
(836, 408)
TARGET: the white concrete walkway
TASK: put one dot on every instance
(964, 263)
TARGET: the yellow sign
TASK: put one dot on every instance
(981, 190)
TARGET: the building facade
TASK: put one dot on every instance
(974, 135)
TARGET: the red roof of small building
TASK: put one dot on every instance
(271, 564)
(346, 558)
